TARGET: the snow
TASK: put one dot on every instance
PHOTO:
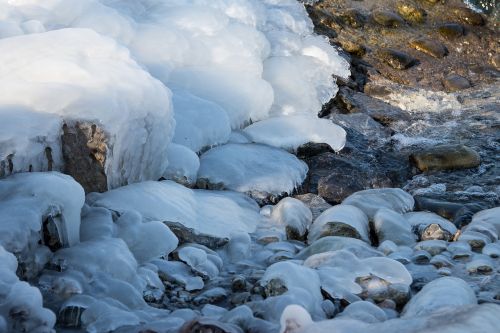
(289, 132)
(40, 195)
(213, 213)
(251, 168)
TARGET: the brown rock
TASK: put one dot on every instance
(468, 16)
(455, 82)
(430, 47)
(446, 157)
(387, 18)
(396, 59)
(411, 12)
(451, 31)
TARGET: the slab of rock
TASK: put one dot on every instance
(445, 157)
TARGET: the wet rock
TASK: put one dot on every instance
(468, 16)
(316, 204)
(455, 82)
(370, 201)
(430, 47)
(410, 12)
(445, 157)
(459, 214)
(387, 18)
(459, 250)
(451, 31)
(238, 283)
(311, 149)
(352, 46)
(346, 179)
(84, 148)
(396, 59)
(353, 18)
(189, 235)
(495, 61)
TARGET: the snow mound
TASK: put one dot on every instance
(289, 132)
(252, 168)
(213, 213)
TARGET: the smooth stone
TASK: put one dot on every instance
(445, 157)
(455, 82)
(492, 250)
(387, 247)
(396, 59)
(411, 12)
(430, 47)
(189, 235)
(387, 18)
(451, 31)
(468, 16)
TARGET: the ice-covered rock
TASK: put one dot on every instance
(183, 165)
(480, 264)
(257, 169)
(212, 213)
(204, 262)
(334, 243)
(47, 203)
(492, 250)
(370, 201)
(392, 226)
(73, 83)
(440, 294)
(430, 226)
(180, 273)
(364, 311)
(295, 216)
(341, 220)
(486, 222)
(289, 132)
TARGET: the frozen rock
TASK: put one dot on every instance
(370, 201)
(480, 264)
(126, 106)
(295, 216)
(430, 226)
(341, 220)
(387, 247)
(183, 165)
(239, 247)
(289, 132)
(316, 204)
(364, 311)
(259, 170)
(178, 272)
(476, 240)
(459, 250)
(335, 243)
(392, 226)
(206, 264)
(217, 214)
(440, 261)
(492, 250)
(51, 204)
(440, 294)
(432, 246)
(421, 257)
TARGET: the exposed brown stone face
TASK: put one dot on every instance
(84, 151)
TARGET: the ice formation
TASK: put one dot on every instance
(214, 213)
(251, 168)
(370, 201)
(292, 214)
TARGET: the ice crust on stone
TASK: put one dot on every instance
(370, 201)
(26, 200)
(183, 165)
(293, 214)
(252, 168)
(342, 216)
(213, 213)
(85, 77)
(289, 132)
(392, 226)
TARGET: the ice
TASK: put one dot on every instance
(84, 77)
(333, 243)
(28, 199)
(213, 213)
(199, 123)
(370, 201)
(440, 294)
(420, 220)
(293, 214)
(392, 226)
(340, 220)
(364, 311)
(289, 132)
(21, 305)
(179, 272)
(206, 265)
(252, 168)
(183, 165)
(486, 217)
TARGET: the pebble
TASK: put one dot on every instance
(387, 18)
(440, 261)
(434, 247)
(468, 16)
(396, 59)
(445, 157)
(421, 257)
(411, 12)
(430, 47)
(455, 82)
(480, 264)
(451, 31)
(492, 250)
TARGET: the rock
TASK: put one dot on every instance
(336, 243)
(387, 18)
(481, 264)
(389, 225)
(189, 235)
(353, 18)
(211, 296)
(311, 149)
(211, 325)
(492, 250)
(468, 16)
(451, 31)
(294, 215)
(430, 47)
(459, 214)
(316, 204)
(84, 148)
(70, 316)
(379, 289)
(440, 261)
(495, 61)
(421, 257)
(363, 311)
(352, 46)
(455, 82)
(410, 12)
(475, 239)
(396, 59)
(434, 247)
(340, 220)
(429, 226)
(345, 179)
(445, 157)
